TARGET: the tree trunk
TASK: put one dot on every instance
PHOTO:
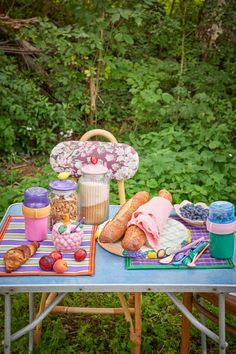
(210, 26)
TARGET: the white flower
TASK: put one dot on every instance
(53, 162)
(85, 149)
(57, 150)
(115, 166)
(122, 173)
(120, 151)
(109, 157)
(100, 149)
(62, 160)
(132, 165)
(109, 147)
(230, 155)
(109, 174)
(78, 165)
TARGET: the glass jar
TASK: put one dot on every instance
(63, 200)
(94, 193)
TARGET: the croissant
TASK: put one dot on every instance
(17, 256)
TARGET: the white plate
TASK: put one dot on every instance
(197, 223)
(173, 234)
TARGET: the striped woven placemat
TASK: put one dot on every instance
(205, 261)
(13, 234)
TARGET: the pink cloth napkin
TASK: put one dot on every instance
(151, 218)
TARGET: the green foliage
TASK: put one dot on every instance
(196, 164)
(146, 73)
(29, 119)
(155, 93)
(177, 111)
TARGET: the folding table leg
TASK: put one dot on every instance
(31, 318)
(222, 347)
(7, 324)
(203, 335)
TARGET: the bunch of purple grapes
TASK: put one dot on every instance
(194, 212)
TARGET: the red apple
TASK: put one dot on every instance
(80, 255)
(46, 263)
(60, 266)
(56, 255)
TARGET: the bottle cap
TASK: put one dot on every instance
(36, 197)
(221, 212)
(63, 185)
(94, 168)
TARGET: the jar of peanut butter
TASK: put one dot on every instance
(94, 193)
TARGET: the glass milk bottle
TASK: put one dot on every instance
(94, 193)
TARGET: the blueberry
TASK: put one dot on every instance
(194, 212)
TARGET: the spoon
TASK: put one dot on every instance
(81, 221)
(190, 255)
(196, 257)
(169, 258)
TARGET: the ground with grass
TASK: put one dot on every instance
(108, 334)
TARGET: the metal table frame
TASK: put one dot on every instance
(118, 279)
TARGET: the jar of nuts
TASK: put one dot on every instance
(63, 200)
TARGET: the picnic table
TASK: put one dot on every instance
(112, 276)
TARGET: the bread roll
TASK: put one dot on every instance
(115, 229)
(17, 256)
(134, 237)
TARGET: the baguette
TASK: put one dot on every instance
(134, 237)
(115, 229)
(17, 256)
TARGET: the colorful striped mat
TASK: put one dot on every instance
(13, 234)
(205, 261)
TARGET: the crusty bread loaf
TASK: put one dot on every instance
(115, 229)
(17, 256)
(134, 238)
(165, 194)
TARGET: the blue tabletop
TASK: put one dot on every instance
(111, 276)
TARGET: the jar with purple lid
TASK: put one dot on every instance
(36, 210)
(63, 200)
